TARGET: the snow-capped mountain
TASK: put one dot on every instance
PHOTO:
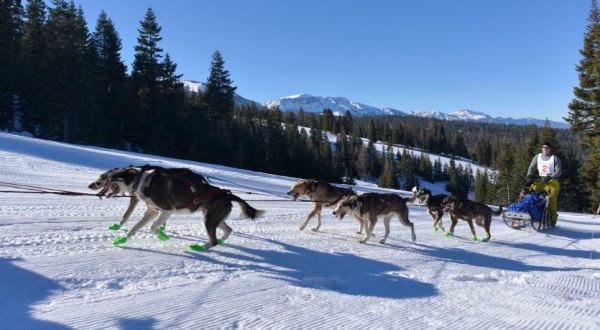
(339, 105)
(192, 86)
(470, 115)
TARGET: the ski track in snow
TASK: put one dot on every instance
(59, 270)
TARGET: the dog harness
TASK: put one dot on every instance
(199, 198)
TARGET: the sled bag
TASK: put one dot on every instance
(533, 204)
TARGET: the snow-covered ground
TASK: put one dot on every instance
(58, 268)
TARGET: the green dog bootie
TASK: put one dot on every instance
(161, 234)
(449, 234)
(114, 226)
(196, 247)
(119, 240)
(487, 239)
(436, 229)
(474, 238)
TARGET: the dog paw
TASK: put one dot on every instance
(362, 241)
(119, 240)
(315, 229)
(382, 241)
(196, 247)
(162, 236)
(115, 226)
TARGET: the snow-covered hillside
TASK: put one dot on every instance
(338, 105)
(58, 269)
(414, 152)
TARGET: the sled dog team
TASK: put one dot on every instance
(167, 191)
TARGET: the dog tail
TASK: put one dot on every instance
(498, 212)
(247, 210)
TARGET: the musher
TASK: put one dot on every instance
(549, 170)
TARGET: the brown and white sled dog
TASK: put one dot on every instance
(322, 194)
(108, 189)
(370, 206)
(168, 191)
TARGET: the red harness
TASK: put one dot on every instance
(199, 198)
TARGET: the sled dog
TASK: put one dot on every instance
(168, 191)
(322, 194)
(469, 211)
(108, 189)
(433, 203)
(370, 206)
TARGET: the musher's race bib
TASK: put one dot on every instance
(545, 167)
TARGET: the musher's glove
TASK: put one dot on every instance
(546, 179)
(530, 180)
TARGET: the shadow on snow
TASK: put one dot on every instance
(21, 289)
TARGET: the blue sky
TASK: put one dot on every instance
(506, 58)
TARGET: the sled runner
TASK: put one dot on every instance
(532, 209)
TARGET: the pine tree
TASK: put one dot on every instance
(533, 141)
(372, 132)
(219, 100)
(458, 146)
(11, 29)
(348, 123)
(573, 196)
(438, 174)
(146, 65)
(34, 63)
(584, 114)
(584, 109)
(68, 69)
(521, 161)
(327, 120)
(111, 79)
(456, 183)
(481, 186)
(504, 191)
(387, 179)
(406, 170)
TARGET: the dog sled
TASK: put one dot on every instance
(530, 210)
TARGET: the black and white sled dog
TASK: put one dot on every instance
(168, 191)
(434, 205)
